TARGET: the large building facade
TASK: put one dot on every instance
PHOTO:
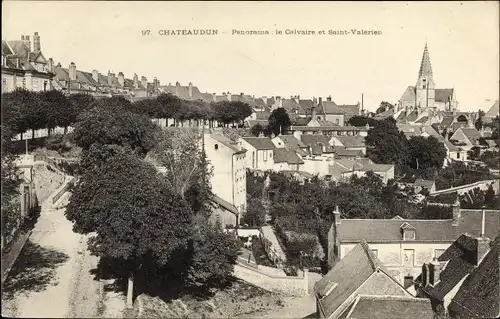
(25, 66)
(424, 96)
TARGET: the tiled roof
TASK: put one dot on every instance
(258, 102)
(341, 151)
(412, 116)
(423, 183)
(290, 105)
(260, 143)
(374, 167)
(220, 98)
(263, 115)
(306, 105)
(302, 121)
(460, 258)
(492, 112)
(382, 230)
(228, 206)
(401, 116)
(336, 170)
(326, 128)
(351, 141)
(315, 141)
(270, 101)
(345, 278)
(471, 133)
(329, 107)
(429, 129)
(350, 110)
(442, 95)
(423, 119)
(6, 49)
(282, 155)
(479, 294)
(226, 141)
(391, 307)
(263, 123)
(446, 122)
(292, 142)
(408, 94)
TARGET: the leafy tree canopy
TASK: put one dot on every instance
(279, 121)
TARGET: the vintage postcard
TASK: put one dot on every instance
(250, 159)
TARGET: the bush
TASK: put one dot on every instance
(255, 216)
(448, 198)
(58, 142)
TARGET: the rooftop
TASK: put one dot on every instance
(390, 307)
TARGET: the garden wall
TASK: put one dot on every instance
(288, 285)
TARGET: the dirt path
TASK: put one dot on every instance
(51, 277)
(294, 308)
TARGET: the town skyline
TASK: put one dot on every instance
(276, 65)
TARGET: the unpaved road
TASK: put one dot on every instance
(52, 275)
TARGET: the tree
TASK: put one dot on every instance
(479, 124)
(491, 200)
(384, 106)
(491, 159)
(212, 256)
(255, 215)
(58, 109)
(425, 152)
(115, 126)
(116, 103)
(279, 121)
(257, 129)
(359, 120)
(135, 216)
(386, 144)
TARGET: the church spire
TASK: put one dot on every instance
(425, 65)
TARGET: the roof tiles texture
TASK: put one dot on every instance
(391, 307)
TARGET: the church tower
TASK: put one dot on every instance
(425, 88)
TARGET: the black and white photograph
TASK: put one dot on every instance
(250, 159)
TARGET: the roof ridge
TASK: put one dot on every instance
(393, 297)
(374, 262)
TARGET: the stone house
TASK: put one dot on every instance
(227, 160)
(420, 184)
(350, 143)
(444, 276)
(359, 273)
(260, 153)
(25, 66)
(224, 213)
(404, 245)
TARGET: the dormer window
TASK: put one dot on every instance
(408, 231)
(216, 146)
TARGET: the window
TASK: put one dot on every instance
(23, 81)
(4, 85)
(408, 257)
(408, 282)
(45, 85)
(458, 155)
(438, 252)
(216, 146)
(337, 121)
(265, 156)
(409, 234)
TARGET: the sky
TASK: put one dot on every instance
(462, 39)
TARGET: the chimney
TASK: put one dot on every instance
(214, 96)
(190, 88)
(72, 71)
(110, 78)
(26, 41)
(36, 42)
(228, 95)
(95, 76)
(336, 214)
(136, 81)
(50, 65)
(121, 79)
(313, 112)
(425, 274)
(155, 83)
(329, 98)
(177, 88)
(144, 82)
(456, 212)
(483, 246)
(434, 271)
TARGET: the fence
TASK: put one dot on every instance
(63, 190)
(288, 285)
